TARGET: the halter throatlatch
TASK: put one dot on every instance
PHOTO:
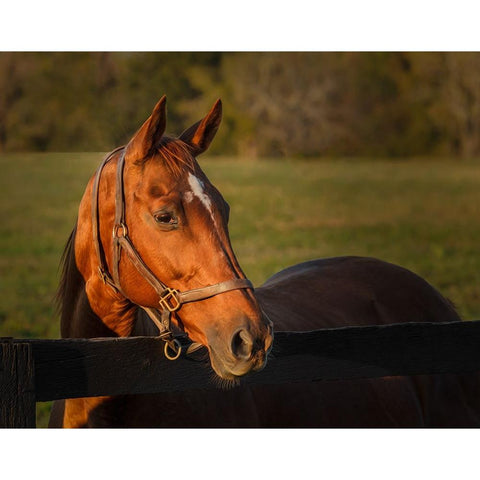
(170, 300)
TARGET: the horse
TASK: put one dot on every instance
(150, 254)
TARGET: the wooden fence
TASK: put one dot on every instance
(40, 370)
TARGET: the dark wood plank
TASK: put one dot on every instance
(72, 368)
(374, 351)
(17, 386)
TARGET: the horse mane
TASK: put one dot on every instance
(68, 286)
(70, 277)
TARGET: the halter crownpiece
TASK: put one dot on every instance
(169, 299)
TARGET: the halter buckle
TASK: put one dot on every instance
(169, 300)
(119, 227)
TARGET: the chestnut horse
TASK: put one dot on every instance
(170, 266)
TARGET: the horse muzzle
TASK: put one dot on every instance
(245, 352)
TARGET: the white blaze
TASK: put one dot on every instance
(198, 191)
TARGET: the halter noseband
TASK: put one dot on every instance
(170, 299)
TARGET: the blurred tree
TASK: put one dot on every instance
(386, 113)
(460, 101)
(326, 104)
(284, 102)
(145, 77)
(10, 92)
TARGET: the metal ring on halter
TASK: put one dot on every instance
(117, 227)
(175, 346)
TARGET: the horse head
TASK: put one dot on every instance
(171, 251)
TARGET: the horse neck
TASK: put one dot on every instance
(87, 307)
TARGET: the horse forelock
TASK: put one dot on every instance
(175, 155)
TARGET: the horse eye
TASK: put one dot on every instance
(165, 218)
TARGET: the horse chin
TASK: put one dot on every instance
(229, 373)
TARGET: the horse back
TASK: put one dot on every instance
(349, 291)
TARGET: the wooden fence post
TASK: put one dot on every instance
(17, 385)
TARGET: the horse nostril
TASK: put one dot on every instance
(242, 344)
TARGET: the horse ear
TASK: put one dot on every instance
(149, 134)
(200, 135)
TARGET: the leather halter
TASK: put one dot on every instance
(170, 300)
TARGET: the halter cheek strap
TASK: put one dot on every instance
(169, 299)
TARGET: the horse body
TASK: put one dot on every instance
(235, 326)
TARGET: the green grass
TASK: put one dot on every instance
(422, 214)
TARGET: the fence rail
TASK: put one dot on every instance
(39, 370)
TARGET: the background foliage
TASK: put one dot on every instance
(276, 104)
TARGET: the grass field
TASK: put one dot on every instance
(422, 214)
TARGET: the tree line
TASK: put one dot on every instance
(299, 104)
